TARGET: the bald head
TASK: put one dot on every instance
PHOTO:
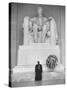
(38, 62)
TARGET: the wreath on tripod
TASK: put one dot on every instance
(51, 62)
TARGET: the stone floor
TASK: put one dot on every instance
(28, 79)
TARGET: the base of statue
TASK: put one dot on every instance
(25, 69)
(28, 55)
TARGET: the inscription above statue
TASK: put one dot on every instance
(40, 29)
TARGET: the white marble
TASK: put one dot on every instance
(29, 55)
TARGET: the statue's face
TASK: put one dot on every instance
(39, 11)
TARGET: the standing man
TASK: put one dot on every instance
(38, 72)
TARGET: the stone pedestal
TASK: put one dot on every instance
(29, 55)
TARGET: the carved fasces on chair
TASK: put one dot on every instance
(53, 30)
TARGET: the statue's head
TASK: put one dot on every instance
(39, 11)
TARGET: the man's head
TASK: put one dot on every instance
(38, 62)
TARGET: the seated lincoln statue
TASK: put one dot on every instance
(40, 29)
(38, 72)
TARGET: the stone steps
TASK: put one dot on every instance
(30, 76)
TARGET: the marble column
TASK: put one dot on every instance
(25, 26)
